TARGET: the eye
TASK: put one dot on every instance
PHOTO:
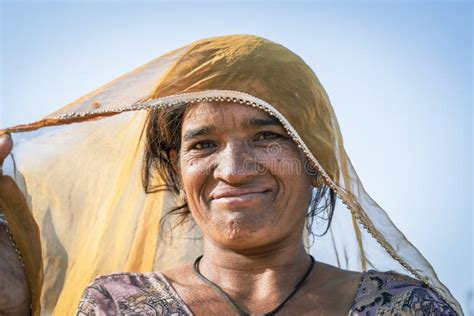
(268, 136)
(205, 144)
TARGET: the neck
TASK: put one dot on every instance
(254, 260)
(256, 280)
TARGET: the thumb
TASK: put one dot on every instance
(6, 145)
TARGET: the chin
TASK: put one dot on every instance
(244, 234)
(243, 228)
(237, 229)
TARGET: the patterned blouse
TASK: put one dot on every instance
(379, 293)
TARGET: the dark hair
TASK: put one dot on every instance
(163, 134)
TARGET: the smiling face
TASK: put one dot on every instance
(244, 177)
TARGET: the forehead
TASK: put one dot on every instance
(224, 114)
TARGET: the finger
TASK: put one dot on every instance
(6, 145)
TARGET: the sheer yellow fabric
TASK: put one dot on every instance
(23, 226)
(83, 180)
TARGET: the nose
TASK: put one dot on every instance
(236, 165)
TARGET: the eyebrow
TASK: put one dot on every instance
(253, 122)
(257, 122)
(200, 131)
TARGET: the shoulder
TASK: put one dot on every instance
(122, 293)
(182, 274)
(388, 293)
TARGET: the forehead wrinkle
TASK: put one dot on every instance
(200, 123)
(234, 121)
(216, 117)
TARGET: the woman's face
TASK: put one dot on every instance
(244, 177)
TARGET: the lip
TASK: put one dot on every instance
(239, 198)
(237, 193)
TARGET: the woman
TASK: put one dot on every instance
(244, 131)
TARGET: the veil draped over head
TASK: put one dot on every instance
(80, 170)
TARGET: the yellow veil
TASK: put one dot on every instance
(80, 171)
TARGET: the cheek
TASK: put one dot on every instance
(193, 171)
(287, 166)
(280, 159)
(194, 176)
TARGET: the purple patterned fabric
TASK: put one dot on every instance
(379, 293)
(390, 293)
(131, 294)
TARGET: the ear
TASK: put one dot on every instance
(317, 180)
(174, 160)
(314, 181)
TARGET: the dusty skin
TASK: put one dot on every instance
(14, 293)
(252, 246)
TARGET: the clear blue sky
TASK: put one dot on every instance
(399, 75)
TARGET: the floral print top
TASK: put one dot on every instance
(379, 293)
(391, 293)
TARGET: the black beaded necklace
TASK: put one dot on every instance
(239, 310)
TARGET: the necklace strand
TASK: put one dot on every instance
(239, 310)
